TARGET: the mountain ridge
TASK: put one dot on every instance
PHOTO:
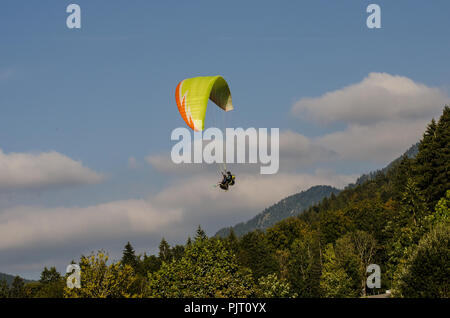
(10, 278)
(289, 206)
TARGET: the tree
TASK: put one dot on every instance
(33, 290)
(207, 269)
(304, 268)
(49, 275)
(335, 282)
(164, 251)
(413, 204)
(285, 232)
(256, 254)
(4, 289)
(334, 224)
(17, 289)
(129, 257)
(370, 215)
(442, 211)
(233, 241)
(365, 246)
(51, 285)
(150, 264)
(177, 252)
(407, 226)
(99, 280)
(271, 286)
(433, 160)
(347, 259)
(200, 234)
(427, 269)
(427, 154)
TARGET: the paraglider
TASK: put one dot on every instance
(192, 95)
(227, 180)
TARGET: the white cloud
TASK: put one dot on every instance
(27, 226)
(380, 142)
(384, 115)
(163, 163)
(298, 151)
(378, 97)
(173, 212)
(253, 192)
(42, 170)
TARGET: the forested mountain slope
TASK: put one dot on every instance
(289, 206)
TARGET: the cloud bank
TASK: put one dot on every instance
(174, 211)
(29, 226)
(383, 115)
(378, 97)
(43, 170)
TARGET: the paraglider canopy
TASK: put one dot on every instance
(192, 96)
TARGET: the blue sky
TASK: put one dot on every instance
(105, 93)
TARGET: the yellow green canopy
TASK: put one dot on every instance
(192, 96)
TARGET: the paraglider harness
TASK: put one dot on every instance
(228, 180)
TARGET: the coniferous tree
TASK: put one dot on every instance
(256, 254)
(233, 241)
(177, 252)
(17, 289)
(129, 256)
(150, 264)
(413, 204)
(200, 234)
(164, 251)
(4, 289)
(51, 285)
(50, 275)
(433, 159)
